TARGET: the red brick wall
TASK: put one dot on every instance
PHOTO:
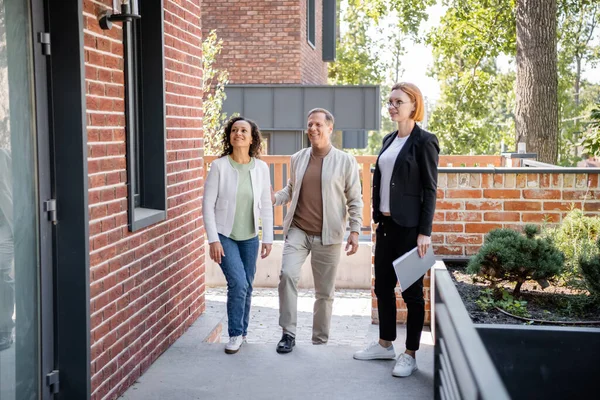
(314, 70)
(470, 205)
(264, 42)
(146, 287)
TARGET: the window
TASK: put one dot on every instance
(310, 22)
(145, 116)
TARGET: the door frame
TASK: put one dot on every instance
(67, 111)
(44, 179)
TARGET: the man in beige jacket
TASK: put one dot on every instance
(324, 190)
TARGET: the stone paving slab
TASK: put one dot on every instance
(204, 371)
(191, 369)
(350, 322)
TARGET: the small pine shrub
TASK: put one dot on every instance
(574, 237)
(590, 269)
(507, 255)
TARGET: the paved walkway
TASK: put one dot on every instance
(191, 369)
(350, 321)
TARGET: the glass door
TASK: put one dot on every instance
(25, 232)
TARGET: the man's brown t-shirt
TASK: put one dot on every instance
(309, 210)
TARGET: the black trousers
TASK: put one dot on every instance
(393, 241)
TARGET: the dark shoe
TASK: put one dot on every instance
(5, 340)
(286, 344)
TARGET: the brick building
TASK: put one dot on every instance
(101, 175)
(271, 49)
(268, 42)
(105, 191)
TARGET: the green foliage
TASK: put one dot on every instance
(488, 299)
(475, 110)
(591, 139)
(410, 13)
(574, 237)
(213, 87)
(356, 61)
(590, 268)
(507, 255)
(577, 23)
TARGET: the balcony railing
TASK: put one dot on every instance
(280, 166)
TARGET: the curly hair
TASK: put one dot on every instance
(256, 145)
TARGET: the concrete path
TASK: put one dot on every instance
(192, 369)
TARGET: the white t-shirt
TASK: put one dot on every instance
(386, 167)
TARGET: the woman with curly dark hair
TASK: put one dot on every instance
(236, 194)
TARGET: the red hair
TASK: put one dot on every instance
(415, 96)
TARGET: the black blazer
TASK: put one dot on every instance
(413, 190)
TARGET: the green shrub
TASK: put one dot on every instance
(507, 255)
(590, 269)
(489, 299)
(574, 237)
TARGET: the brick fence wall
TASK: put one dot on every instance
(471, 204)
(264, 42)
(146, 287)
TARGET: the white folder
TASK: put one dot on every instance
(410, 267)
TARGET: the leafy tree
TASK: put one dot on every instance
(475, 111)
(591, 140)
(357, 62)
(476, 108)
(213, 87)
(507, 255)
(359, 58)
(536, 113)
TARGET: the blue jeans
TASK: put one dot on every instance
(239, 267)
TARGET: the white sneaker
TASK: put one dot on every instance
(405, 366)
(235, 342)
(375, 351)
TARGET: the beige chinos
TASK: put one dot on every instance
(324, 261)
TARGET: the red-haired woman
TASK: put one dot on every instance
(404, 196)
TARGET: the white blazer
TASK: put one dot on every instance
(220, 189)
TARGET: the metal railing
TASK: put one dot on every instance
(463, 369)
(539, 164)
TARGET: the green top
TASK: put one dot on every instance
(243, 222)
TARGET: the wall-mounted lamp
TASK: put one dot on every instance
(129, 12)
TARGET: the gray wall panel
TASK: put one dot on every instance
(372, 104)
(258, 105)
(318, 97)
(286, 104)
(349, 108)
(284, 107)
(234, 103)
(285, 142)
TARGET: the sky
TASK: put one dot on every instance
(418, 59)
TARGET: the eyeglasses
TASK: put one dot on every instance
(397, 103)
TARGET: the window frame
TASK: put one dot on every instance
(311, 18)
(145, 110)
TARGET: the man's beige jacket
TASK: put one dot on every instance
(340, 186)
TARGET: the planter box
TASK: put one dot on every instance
(550, 362)
(507, 361)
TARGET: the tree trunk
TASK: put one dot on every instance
(536, 116)
(517, 290)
